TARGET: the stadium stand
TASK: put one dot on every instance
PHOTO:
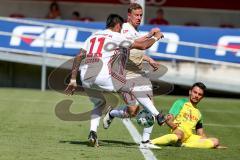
(192, 69)
(175, 12)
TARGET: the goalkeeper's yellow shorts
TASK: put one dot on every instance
(187, 132)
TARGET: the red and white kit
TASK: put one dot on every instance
(106, 57)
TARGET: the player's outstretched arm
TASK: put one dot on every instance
(146, 43)
(75, 68)
(149, 35)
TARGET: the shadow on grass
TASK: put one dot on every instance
(105, 143)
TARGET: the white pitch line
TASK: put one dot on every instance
(147, 153)
(222, 125)
(221, 111)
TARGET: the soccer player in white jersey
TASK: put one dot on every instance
(95, 60)
(136, 57)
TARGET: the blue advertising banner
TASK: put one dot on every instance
(68, 41)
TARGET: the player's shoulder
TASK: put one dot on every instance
(102, 32)
(181, 101)
(127, 28)
(177, 106)
(107, 33)
(126, 25)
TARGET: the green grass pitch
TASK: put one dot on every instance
(29, 129)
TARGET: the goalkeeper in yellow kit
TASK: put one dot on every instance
(183, 118)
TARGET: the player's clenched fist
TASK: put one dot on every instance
(158, 35)
(71, 87)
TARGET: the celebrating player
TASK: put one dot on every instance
(135, 77)
(97, 59)
(184, 116)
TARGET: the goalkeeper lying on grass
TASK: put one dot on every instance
(183, 117)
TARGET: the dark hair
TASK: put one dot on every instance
(113, 20)
(200, 85)
(160, 10)
(76, 13)
(54, 4)
(134, 6)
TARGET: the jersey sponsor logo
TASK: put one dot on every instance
(228, 42)
(190, 117)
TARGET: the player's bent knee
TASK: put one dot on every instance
(132, 110)
(179, 134)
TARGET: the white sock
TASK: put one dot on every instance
(148, 104)
(96, 114)
(146, 133)
(95, 120)
(119, 112)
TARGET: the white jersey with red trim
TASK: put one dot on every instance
(129, 31)
(136, 56)
(106, 56)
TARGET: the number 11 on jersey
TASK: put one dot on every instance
(96, 47)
